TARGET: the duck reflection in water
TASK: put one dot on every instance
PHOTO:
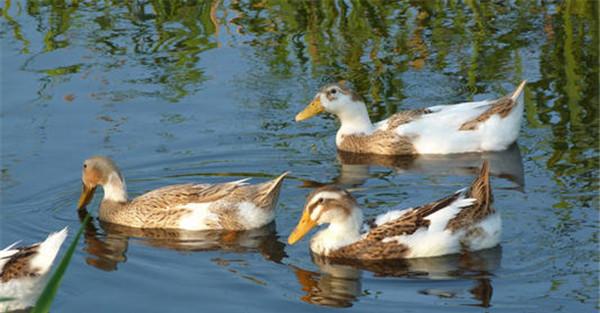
(108, 247)
(338, 282)
(355, 168)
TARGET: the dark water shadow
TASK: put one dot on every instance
(107, 246)
(338, 283)
(355, 168)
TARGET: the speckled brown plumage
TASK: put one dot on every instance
(411, 221)
(161, 208)
(481, 191)
(379, 142)
(404, 117)
(502, 106)
(384, 141)
(368, 249)
(267, 194)
(17, 265)
(164, 207)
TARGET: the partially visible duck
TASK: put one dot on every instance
(23, 271)
(489, 125)
(233, 206)
(463, 221)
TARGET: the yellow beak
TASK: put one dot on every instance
(314, 108)
(304, 226)
(87, 193)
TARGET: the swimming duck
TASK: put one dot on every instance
(489, 125)
(464, 221)
(23, 271)
(233, 206)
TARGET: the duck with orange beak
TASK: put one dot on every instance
(459, 222)
(234, 205)
(489, 125)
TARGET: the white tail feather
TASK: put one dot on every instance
(6, 253)
(48, 250)
(518, 91)
(240, 182)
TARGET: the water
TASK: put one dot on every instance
(183, 91)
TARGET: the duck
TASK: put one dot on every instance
(488, 125)
(23, 271)
(234, 205)
(464, 221)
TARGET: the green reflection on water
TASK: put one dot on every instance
(392, 51)
(481, 45)
(474, 46)
(163, 37)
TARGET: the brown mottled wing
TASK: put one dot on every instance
(384, 141)
(404, 117)
(369, 249)
(177, 195)
(266, 194)
(379, 142)
(163, 207)
(17, 265)
(481, 191)
(411, 221)
(502, 106)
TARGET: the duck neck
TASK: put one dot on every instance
(115, 189)
(338, 234)
(355, 120)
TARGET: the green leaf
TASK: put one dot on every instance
(49, 292)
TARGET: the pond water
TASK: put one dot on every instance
(186, 91)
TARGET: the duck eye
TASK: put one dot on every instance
(320, 200)
(84, 165)
(333, 91)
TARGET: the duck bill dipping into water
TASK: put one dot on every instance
(234, 205)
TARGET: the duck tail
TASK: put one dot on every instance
(269, 192)
(48, 249)
(515, 95)
(480, 192)
(275, 184)
(481, 189)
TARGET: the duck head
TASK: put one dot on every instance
(328, 205)
(100, 170)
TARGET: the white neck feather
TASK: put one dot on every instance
(354, 119)
(338, 234)
(115, 189)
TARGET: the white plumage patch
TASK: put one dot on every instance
(6, 253)
(390, 216)
(200, 217)
(115, 189)
(436, 240)
(488, 234)
(438, 132)
(339, 233)
(47, 251)
(253, 217)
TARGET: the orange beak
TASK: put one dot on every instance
(87, 193)
(314, 108)
(304, 226)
